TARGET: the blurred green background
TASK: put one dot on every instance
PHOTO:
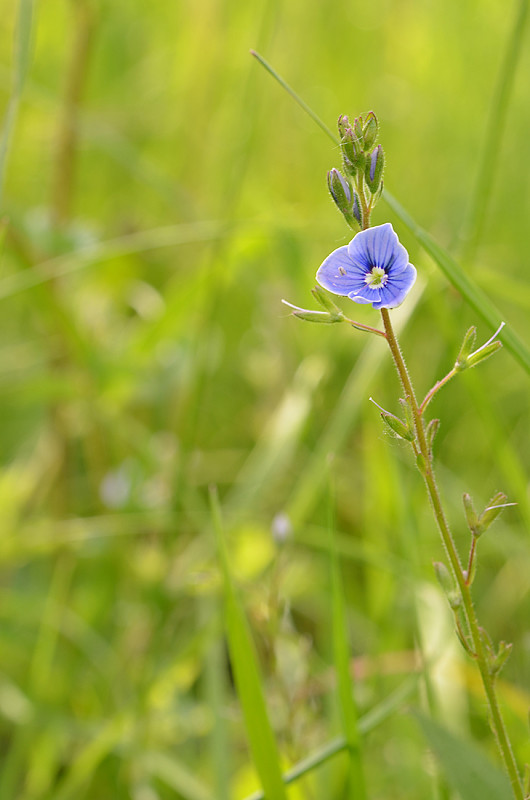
(161, 194)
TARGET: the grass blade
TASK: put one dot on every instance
(22, 51)
(308, 110)
(494, 134)
(341, 658)
(247, 678)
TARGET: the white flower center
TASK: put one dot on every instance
(376, 277)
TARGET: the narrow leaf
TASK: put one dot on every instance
(341, 658)
(247, 678)
(465, 767)
(22, 50)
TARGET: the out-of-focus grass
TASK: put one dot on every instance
(144, 355)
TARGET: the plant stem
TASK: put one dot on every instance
(471, 559)
(360, 327)
(437, 386)
(480, 652)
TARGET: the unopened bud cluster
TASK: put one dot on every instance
(361, 184)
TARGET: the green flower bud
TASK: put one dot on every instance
(373, 172)
(343, 125)
(341, 193)
(308, 315)
(370, 130)
(397, 425)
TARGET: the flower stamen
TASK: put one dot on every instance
(376, 277)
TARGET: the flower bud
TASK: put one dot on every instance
(341, 193)
(340, 188)
(309, 315)
(397, 425)
(370, 130)
(374, 169)
(343, 125)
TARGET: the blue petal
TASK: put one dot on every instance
(379, 247)
(338, 274)
(365, 294)
(396, 288)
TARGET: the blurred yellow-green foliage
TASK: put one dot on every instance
(161, 195)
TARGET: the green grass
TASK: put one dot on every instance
(161, 195)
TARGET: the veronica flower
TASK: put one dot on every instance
(373, 268)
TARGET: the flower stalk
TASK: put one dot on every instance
(463, 577)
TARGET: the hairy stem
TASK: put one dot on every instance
(437, 386)
(480, 652)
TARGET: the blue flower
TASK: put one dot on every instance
(373, 268)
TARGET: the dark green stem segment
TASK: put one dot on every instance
(479, 650)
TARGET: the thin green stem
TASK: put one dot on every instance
(296, 97)
(437, 386)
(366, 208)
(360, 327)
(480, 653)
(472, 551)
